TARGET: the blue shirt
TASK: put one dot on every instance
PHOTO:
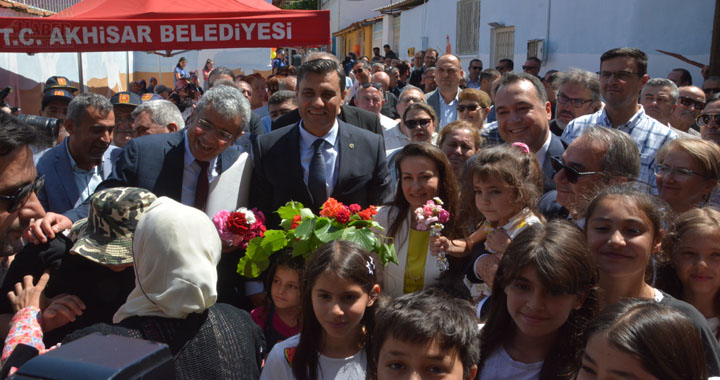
(648, 133)
(85, 180)
(330, 154)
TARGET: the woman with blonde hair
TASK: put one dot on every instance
(687, 172)
(473, 106)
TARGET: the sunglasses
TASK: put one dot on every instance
(412, 124)
(358, 70)
(710, 91)
(571, 173)
(369, 84)
(469, 107)
(529, 67)
(704, 120)
(687, 102)
(22, 194)
(475, 67)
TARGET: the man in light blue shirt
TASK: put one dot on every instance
(623, 73)
(474, 71)
(444, 99)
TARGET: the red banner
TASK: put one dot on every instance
(67, 35)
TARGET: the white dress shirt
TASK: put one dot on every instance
(191, 171)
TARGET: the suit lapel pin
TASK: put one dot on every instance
(352, 146)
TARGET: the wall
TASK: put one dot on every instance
(345, 12)
(435, 20)
(580, 31)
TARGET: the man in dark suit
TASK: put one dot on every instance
(523, 114)
(319, 156)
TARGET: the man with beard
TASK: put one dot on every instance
(74, 168)
(578, 95)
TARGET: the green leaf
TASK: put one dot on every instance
(253, 248)
(305, 229)
(387, 254)
(290, 209)
(326, 231)
(274, 240)
(250, 268)
(364, 237)
(302, 248)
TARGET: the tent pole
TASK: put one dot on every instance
(127, 71)
(80, 72)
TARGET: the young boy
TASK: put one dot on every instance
(428, 334)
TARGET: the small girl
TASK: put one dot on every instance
(339, 287)
(506, 185)
(624, 229)
(280, 317)
(545, 294)
(632, 337)
(691, 262)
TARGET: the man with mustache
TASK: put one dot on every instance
(578, 95)
(74, 168)
(691, 101)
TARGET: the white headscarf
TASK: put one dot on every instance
(176, 249)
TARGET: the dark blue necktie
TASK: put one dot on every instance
(316, 175)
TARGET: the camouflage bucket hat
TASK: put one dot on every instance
(105, 237)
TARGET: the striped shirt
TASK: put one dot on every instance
(648, 133)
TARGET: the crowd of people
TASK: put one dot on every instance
(583, 237)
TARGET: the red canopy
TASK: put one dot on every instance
(142, 25)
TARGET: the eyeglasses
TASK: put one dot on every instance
(412, 124)
(409, 99)
(376, 85)
(475, 67)
(220, 134)
(358, 70)
(621, 75)
(22, 194)
(688, 102)
(680, 173)
(704, 119)
(571, 173)
(710, 91)
(575, 102)
(469, 107)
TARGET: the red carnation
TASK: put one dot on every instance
(236, 223)
(342, 215)
(354, 208)
(295, 222)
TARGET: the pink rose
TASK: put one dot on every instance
(443, 216)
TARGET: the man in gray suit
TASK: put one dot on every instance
(444, 99)
(76, 167)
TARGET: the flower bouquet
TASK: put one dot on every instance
(238, 228)
(431, 216)
(304, 232)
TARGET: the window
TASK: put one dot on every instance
(395, 45)
(377, 30)
(502, 44)
(467, 32)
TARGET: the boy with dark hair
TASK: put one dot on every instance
(426, 334)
